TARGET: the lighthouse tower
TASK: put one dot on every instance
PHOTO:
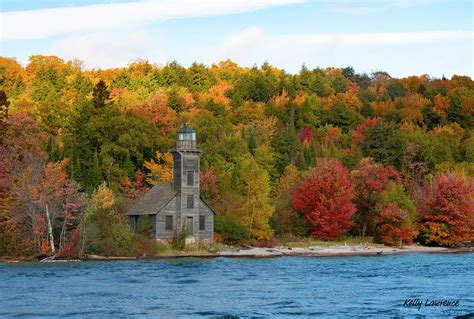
(186, 180)
(173, 207)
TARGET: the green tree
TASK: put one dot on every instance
(230, 231)
(286, 146)
(394, 193)
(256, 85)
(286, 220)
(100, 95)
(384, 144)
(201, 79)
(105, 229)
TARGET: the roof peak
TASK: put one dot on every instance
(186, 129)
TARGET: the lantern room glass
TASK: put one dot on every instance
(187, 136)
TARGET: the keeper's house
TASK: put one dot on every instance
(177, 206)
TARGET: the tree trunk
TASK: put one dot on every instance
(62, 237)
(50, 231)
(292, 115)
(83, 231)
(251, 217)
(364, 228)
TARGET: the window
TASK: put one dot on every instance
(169, 222)
(134, 222)
(202, 222)
(190, 201)
(190, 178)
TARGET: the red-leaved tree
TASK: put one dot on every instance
(306, 136)
(41, 198)
(394, 226)
(368, 180)
(446, 209)
(208, 184)
(325, 198)
(361, 129)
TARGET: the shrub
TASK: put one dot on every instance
(144, 226)
(120, 241)
(143, 246)
(230, 231)
(178, 241)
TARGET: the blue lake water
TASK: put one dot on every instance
(266, 288)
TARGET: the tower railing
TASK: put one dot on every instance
(185, 145)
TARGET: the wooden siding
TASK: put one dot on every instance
(170, 209)
(209, 222)
(176, 171)
(175, 201)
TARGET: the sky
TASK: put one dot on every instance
(401, 37)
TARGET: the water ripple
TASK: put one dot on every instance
(239, 288)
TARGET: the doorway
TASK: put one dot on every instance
(189, 226)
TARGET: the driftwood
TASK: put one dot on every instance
(48, 259)
(52, 259)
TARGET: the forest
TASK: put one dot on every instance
(324, 153)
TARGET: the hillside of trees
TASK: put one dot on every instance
(323, 153)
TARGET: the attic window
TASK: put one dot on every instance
(169, 222)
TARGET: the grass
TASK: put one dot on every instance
(201, 249)
(197, 249)
(308, 242)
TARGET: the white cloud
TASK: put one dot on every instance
(109, 49)
(36, 24)
(402, 53)
(399, 53)
(372, 6)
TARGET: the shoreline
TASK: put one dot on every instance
(342, 251)
(257, 252)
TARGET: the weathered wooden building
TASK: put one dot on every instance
(177, 206)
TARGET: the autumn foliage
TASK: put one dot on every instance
(73, 139)
(369, 179)
(394, 226)
(361, 130)
(325, 198)
(446, 209)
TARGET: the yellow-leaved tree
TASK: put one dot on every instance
(160, 168)
(252, 207)
(105, 230)
(284, 219)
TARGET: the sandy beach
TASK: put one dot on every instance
(280, 251)
(342, 250)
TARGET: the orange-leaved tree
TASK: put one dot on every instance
(160, 168)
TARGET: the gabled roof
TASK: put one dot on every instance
(207, 204)
(154, 200)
